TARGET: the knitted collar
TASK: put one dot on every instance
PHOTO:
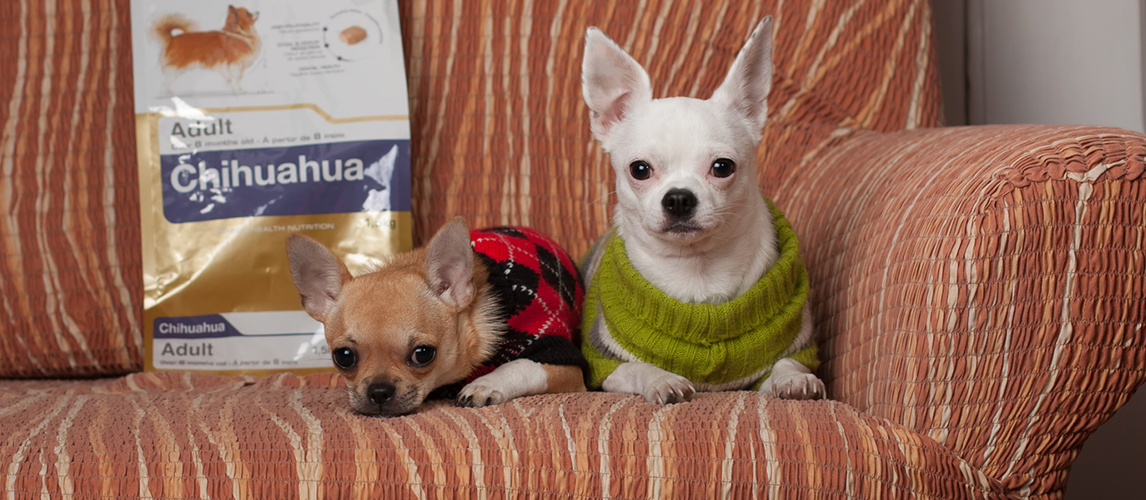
(709, 343)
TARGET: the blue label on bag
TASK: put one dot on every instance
(240, 340)
(194, 327)
(339, 177)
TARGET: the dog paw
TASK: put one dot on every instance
(476, 395)
(657, 386)
(799, 386)
(669, 389)
(515, 379)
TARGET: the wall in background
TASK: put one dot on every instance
(950, 18)
(1055, 62)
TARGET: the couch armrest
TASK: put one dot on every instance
(981, 285)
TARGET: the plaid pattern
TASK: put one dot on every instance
(539, 297)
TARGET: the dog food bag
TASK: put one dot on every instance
(256, 119)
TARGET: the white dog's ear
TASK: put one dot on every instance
(450, 264)
(612, 82)
(317, 273)
(745, 89)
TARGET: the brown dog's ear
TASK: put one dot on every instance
(450, 264)
(317, 273)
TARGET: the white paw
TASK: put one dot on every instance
(657, 386)
(792, 380)
(478, 394)
(667, 389)
(800, 386)
(515, 379)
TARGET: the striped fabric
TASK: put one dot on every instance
(70, 268)
(978, 291)
(175, 435)
(984, 286)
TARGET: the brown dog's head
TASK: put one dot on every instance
(239, 20)
(418, 322)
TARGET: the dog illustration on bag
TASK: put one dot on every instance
(230, 52)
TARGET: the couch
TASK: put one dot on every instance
(978, 291)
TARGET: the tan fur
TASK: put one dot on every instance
(229, 51)
(384, 314)
(564, 378)
(387, 312)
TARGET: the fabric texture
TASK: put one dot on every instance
(186, 435)
(539, 296)
(981, 285)
(717, 346)
(977, 291)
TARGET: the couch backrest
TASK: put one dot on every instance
(70, 275)
(500, 134)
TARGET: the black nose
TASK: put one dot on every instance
(380, 393)
(679, 202)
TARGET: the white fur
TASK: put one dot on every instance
(734, 242)
(515, 379)
(655, 384)
(792, 380)
(680, 138)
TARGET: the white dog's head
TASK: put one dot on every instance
(683, 165)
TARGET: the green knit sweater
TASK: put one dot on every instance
(717, 346)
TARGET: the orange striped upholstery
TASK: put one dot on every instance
(70, 275)
(978, 291)
(175, 435)
(982, 286)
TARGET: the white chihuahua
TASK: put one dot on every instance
(692, 222)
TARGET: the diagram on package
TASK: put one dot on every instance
(351, 35)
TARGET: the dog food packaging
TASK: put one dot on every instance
(255, 120)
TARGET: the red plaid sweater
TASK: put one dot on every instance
(539, 295)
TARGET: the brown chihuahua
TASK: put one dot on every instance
(229, 51)
(484, 317)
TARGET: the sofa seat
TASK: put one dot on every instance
(186, 435)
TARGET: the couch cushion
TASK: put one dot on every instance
(176, 435)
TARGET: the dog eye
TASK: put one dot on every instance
(423, 355)
(344, 357)
(723, 167)
(640, 170)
